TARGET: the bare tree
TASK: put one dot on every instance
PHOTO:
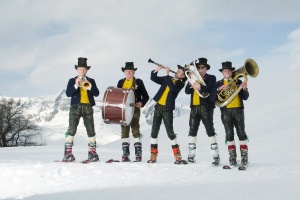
(16, 128)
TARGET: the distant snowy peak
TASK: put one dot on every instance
(46, 108)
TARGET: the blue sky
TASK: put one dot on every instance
(41, 40)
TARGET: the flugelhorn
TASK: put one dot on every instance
(226, 96)
(151, 61)
(84, 83)
(193, 76)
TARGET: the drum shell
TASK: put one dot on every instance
(116, 108)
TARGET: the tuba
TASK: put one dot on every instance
(84, 83)
(226, 96)
(193, 76)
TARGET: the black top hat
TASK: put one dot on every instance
(184, 69)
(227, 65)
(82, 63)
(180, 67)
(129, 65)
(203, 61)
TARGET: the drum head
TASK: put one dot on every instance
(129, 107)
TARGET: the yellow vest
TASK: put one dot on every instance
(236, 101)
(127, 83)
(163, 98)
(84, 98)
(196, 99)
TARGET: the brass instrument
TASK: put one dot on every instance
(226, 96)
(151, 61)
(84, 83)
(193, 76)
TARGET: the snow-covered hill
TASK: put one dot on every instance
(51, 113)
(272, 125)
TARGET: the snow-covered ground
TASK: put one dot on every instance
(272, 125)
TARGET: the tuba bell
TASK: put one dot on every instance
(226, 96)
(84, 83)
(193, 76)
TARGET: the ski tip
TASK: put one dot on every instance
(112, 160)
(226, 167)
(242, 168)
(65, 161)
(215, 163)
(178, 162)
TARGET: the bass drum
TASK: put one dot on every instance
(118, 106)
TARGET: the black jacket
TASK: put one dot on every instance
(75, 93)
(210, 81)
(244, 95)
(141, 94)
(165, 81)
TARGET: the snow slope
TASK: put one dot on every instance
(272, 125)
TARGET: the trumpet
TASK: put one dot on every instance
(84, 83)
(193, 76)
(225, 96)
(151, 61)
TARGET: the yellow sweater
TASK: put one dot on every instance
(163, 98)
(236, 101)
(84, 98)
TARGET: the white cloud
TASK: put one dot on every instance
(47, 37)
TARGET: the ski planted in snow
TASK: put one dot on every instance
(215, 163)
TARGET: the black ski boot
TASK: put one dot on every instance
(68, 155)
(232, 155)
(92, 154)
(126, 152)
(215, 152)
(138, 151)
(244, 154)
(192, 153)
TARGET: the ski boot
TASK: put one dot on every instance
(126, 152)
(232, 155)
(215, 152)
(154, 152)
(192, 153)
(68, 155)
(244, 154)
(177, 155)
(92, 154)
(138, 151)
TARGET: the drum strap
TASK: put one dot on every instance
(133, 88)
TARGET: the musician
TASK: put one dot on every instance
(202, 109)
(165, 98)
(141, 98)
(82, 101)
(232, 114)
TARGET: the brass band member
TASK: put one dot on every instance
(82, 90)
(202, 109)
(232, 114)
(141, 98)
(165, 98)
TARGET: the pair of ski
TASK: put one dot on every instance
(88, 161)
(178, 162)
(240, 167)
(83, 162)
(112, 161)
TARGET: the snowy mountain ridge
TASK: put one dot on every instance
(51, 114)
